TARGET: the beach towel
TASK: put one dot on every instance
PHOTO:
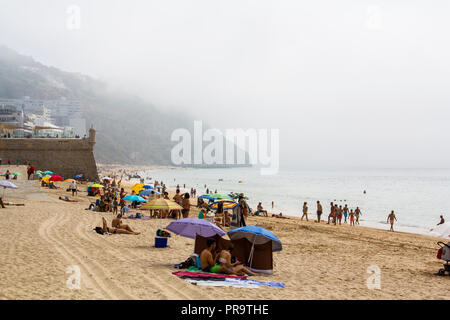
(190, 274)
(222, 283)
(257, 283)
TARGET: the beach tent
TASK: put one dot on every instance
(262, 261)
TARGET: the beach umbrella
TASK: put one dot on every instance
(70, 180)
(48, 172)
(55, 178)
(137, 187)
(256, 235)
(148, 192)
(38, 171)
(227, 204)
(78, 176)
(46, 179)
(147, 187)
(215, 196)
(161, 204)
(106, 178)
(134, 197)
(96, 185)
(190, 227)
(7, 184)
(16, 174)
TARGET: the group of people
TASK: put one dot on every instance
(337, 213)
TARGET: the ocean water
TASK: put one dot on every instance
(417, 196)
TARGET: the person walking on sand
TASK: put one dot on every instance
(305, 211)
(73, 187)
(391, 218)
(319, 211)
(357, 214)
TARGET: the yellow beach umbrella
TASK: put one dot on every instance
(161, 204)
(137, 187)
(69, 180)
(46, 179)
(96, 185)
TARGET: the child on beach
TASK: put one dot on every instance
(352, 218)
(332, 214)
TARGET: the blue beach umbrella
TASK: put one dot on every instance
(256, 235)
(148, 192)
(48, 172)
(147, 187)
(134, 198)
(78, 176)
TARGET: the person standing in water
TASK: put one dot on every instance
(391, 218)
(305, 211)
(442, 220)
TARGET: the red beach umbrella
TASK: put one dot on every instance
(56, 178)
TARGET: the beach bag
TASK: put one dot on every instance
(99, 230)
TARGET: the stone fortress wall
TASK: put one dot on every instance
(65, 157)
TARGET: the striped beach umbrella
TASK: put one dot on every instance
(161, 204)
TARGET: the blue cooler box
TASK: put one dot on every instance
(160, 242)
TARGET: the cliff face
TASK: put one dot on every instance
(129, 130)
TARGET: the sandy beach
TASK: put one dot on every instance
(42, 239)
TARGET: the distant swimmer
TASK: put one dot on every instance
(272, 204)
(391, 218)
(364, 192)
(442, 221)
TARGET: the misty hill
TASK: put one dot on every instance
(129, 130)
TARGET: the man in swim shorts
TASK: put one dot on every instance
(207, 259)
(319, 211)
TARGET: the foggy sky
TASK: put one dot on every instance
(348, 83)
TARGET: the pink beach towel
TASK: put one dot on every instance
(206, 275)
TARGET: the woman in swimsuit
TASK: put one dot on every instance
(117, 224)
(115, 230)
(225, 265)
